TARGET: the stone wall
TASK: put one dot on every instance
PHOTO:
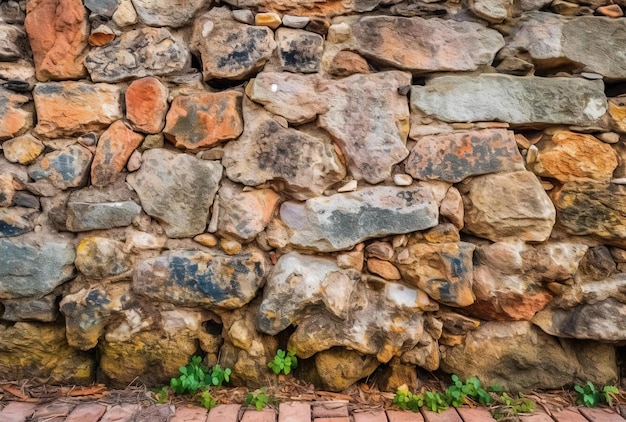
(382, 184)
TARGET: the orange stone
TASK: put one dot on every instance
(346, 63)
(146, 105)
(611, 10)
(201, 120)
(115, 146)
(385, 269)
(58, 31)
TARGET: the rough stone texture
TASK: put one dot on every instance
(88, 312)
(23, 150)
(146, 104)
(520, 350)
(58, 31)
(266, 152)
(346, 63)
(29, 269)
(575, 156)
(166, 13)
(66, 168)
(507, 206)
(443, 270)
(339, 368)
(101, 257)
(586, 208)
(43, 309)
(299, 50)
(340, 221)
(12, 42)
(202, 120)
(13, 119)
(102, 7)
(517, 100)
(600, 321)
(70, 108)
(445, 45)
(364, 114)
(494, 11)
(84, 216)
(453, 157)
(196, 278)
(136, 54)
(244, 214)
(556, 41)
(15, 221)
(7, 190)
(39, 352)
(166, 178)
(115, 146)
(229, 49)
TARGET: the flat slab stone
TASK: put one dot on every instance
(85, 216)
(195, 278)
(444, 44)
(512, 99)
(340, 221)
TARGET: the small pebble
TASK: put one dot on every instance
(269, 19)
(591, 76)
(297, 22)
(206, 239)
(532, 154)
(339, 33)
(244, 16)
(609, 137)
(402, 179)
(134, 162)
(348, 187)
(230, 247)
(611, 10)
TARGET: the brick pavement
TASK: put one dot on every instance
(340, 411)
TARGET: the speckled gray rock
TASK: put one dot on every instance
(101, 257)
(298, 50)
(16, 220)
(66, 168)
(445, 45)
(306, 171)
(138, 53)
(85, 216)
(166, 13)
(102, 7)
(340, 221)
(555, 41)
(196, 278)
(176, 189)
(34, 270)
(513, 99)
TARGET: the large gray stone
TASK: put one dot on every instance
(85, 216)
(177, 190)
(512, 99)
(340, 221)
(138, 53)
(507, 206)
(304, 163)
(34, 270)
(12, 42)
(196, 278)
(555, 41)
(166, 13)
(65, 168)
(444, 45)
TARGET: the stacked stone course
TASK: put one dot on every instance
(375, 185)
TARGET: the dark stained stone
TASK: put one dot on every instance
(66, 168)
(453, 157)
(299, 50)
(196, 278)
(15, 221)
(43, 309)
(102, 7)
(85, 216)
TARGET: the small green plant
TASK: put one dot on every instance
(258, 399)
(192, 377)
(219, 375)
(406, 400)
(206, 400)
(459, 391)
(590, 396)
(435, 401)
(162, 395)
(283, 362)
(509, 406)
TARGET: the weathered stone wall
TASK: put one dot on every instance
(391, 184)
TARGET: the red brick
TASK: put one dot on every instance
(476, 414)
(294, 412)
(601, 415)
(335, 419)
(370, 416)
(189, 414)
(536, 417)
(224, 413)
(120, 413)
(17, 412)
(253, 415)
(404, 416)
(52, 410)
(568, 415)
(330, 409)
(90, 412)
(449, 415)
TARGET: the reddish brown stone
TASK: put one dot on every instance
(146, 105)
(13, 120)
(611, 10)
(202, 120)
(115, 146)
(346, 63)
(58, 32)
(385, 269)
